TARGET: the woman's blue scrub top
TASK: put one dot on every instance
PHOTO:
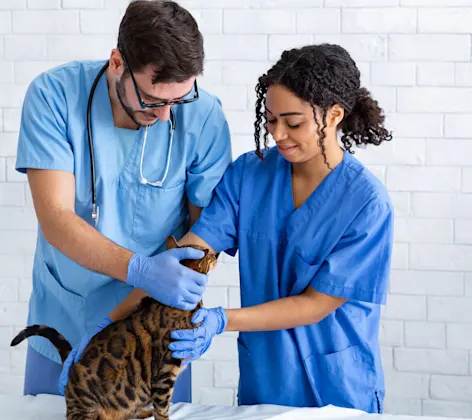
(136, 216)
(339, 242)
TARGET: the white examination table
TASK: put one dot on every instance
(49, 407)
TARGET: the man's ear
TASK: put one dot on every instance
(117, 65)
(171, 243)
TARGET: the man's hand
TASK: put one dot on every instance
(166, 280)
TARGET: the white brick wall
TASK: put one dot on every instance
(415, 56)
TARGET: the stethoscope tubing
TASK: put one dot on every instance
(95, 208)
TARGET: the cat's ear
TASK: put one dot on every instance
(171, 243)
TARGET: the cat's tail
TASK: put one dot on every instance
(58, 341)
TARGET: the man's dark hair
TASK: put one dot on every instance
(163, 34)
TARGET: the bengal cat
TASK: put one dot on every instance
(127, 365)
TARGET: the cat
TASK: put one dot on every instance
(127, 366)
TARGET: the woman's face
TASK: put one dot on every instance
(290, 121)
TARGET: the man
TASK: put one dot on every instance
(159, 147)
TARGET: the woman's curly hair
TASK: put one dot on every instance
(325, 75)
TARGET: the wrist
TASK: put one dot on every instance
(223, 320)
(134, 268)
(105, 323)
(122, 265)
(233, 319)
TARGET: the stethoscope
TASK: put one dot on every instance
(143, 180)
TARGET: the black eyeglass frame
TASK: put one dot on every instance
(158, 104)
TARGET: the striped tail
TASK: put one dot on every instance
(58, 341)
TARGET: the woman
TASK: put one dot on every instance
(314, 232)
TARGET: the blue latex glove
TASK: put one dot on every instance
(76, 354)
(192, 344)
(166, 280)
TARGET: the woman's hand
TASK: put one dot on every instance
(192, 344)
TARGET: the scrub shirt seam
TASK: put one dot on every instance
(208, 117)
(208, 236)
(326, 192)
(200, 231)
(373, 203)
(376, 295)
(356, 168)
(42, 164)
(374, 193)
(347, 287)
(201, 130)
(384, 242)
(381, 251)
(200, 203)
(56, 82)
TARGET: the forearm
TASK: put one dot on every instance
(83, 244)
(308, 308)
(194, 213)
(281, 314)
(128, 305)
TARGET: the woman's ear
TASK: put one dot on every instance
(335, 115)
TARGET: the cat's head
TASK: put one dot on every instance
(203, 265)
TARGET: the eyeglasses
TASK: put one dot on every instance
(158, 104)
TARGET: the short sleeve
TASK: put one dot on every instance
(213, 155)
(218, 223)
(42, 142)
(358, 268)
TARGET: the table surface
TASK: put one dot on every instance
(52, 407)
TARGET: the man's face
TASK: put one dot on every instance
(150, 93)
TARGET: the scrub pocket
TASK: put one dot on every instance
(246, 386)
(158, 213)
(344, 379)
(70, 313)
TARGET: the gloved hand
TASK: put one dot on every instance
(76, 354)
(192, 344)
(166, 280)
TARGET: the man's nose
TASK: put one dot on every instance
(163, 112)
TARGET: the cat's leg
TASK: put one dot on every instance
(82, 415)
(75, 409)
(163, 387)
(144, 413)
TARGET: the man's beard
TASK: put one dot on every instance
(120, 91)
